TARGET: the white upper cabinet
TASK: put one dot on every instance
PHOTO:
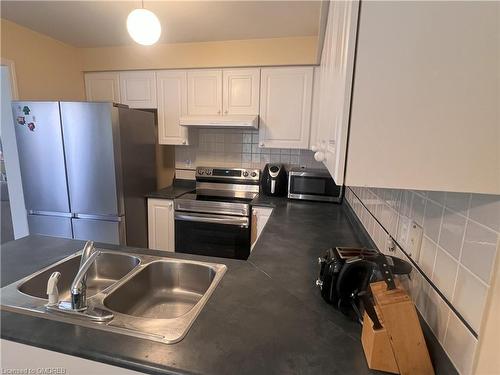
(285, 107)
(204, 92)
(334, 92)
(172, 104)
(102, 87)
(138, 89)
(314, 137)
(241, 91)
(425, 108)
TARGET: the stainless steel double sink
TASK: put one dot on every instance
(149, 297)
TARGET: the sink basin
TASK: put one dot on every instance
(106, 270)
(145, 296)
(162, 290)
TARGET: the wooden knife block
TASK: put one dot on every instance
(399, 347)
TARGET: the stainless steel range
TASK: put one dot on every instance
(216, 219)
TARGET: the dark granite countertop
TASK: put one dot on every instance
(265, 317)
(173, 191)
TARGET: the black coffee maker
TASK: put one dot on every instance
(274, 180)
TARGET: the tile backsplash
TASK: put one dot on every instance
(461, 237)
(236, 148)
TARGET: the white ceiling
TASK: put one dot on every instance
(102, 23)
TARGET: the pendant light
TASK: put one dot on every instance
(143, 26)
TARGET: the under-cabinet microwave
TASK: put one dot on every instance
(313, 184)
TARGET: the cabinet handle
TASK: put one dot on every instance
(226, 112)
(183, 141)
(218, 112)
(261, 144)
(314, 148)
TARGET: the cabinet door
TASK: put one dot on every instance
(172, 104)
(161, 224)
(337, 65)
(138, 89)
(285, 115)
(260, 216)
(425, 116)
(205, 92)
(102, 87)
(241, 91)
(314, 137)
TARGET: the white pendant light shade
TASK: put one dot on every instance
(143, 26)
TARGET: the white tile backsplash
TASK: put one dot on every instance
(469, 297)
(485, 209)
(452, 232)
(460, 345)
(432, 220)
(427, 255)
(236, 148)
(479, 249)
(445, 272)
(459, 247)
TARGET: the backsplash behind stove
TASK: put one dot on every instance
(236, 148)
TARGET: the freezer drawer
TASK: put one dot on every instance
(41, 155)
(112, 232)
(55, 226)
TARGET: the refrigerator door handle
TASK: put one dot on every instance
(99, 217)
(50, 213)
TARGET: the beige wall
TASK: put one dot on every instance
(46, 69)
(49, 69)
(252, 52)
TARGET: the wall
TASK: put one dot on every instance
(45, 68)
(252, 52)
(236, 148)
(11, 157)
(461, 234)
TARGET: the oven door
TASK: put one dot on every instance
(212, 235)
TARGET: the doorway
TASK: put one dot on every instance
(14, 222)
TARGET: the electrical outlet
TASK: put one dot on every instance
(390, 245)
(404, 231)
(414, 242)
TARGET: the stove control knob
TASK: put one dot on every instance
(208, 172)
(245, 174)
(253, 174)
(201, 171)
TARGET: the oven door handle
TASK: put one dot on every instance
(242, 222)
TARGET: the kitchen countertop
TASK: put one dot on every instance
(266, 316)
(175, 190)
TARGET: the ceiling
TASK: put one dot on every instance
(102, 23)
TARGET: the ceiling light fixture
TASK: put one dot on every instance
(143, 26)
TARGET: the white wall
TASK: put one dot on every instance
(8, 136)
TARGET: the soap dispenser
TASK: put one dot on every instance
(52, 290)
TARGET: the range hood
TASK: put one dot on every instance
(240, 122)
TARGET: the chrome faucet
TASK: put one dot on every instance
(79, 286)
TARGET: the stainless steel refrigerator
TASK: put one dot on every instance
(85, 168)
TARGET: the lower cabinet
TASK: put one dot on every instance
(260, 216)
(161, 224)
